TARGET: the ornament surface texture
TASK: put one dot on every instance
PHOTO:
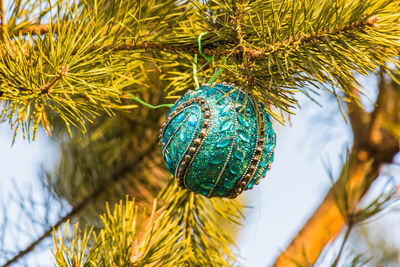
(214, 143)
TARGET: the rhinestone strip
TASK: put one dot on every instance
(262, 139)
(173, 114)
(269, 158)
(176, 130)
(192, 150)
(168, 120)
(254, 162)
(230, 149)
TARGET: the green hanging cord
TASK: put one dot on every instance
(196, 81)
(208, 58)
(218, 73)
(148, 105)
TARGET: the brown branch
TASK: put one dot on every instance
(45, 89)
(35, 29)
(251, 53)
(2, 22)
(296, 41)
(238, 26)
(116, 177)
(327, 221)
(3, 29)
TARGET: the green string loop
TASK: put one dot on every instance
(148, 105)
(208, 58)
(196, 81)
(218, 73)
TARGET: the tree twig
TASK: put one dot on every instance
(47, 87)
(251, 53)
(345, 238)
(238, 22)
(35, 29)
(3, 22)
(117, 176)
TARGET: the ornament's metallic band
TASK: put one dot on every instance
(230, 149)
(168, 120)
(255, 159)
(260, 142)
(176, 130)
(183, 162)
(268, 159)
(196, 141)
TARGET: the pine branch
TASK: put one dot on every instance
(185, 230)
(328, 219)
(238, 23)
(265, 52)
(202, 223)
(34, 29)
(116, 177)
(293, 43)
(2, 22)
(127, 238)
(45, 89)
(252, 53)
(3, 29)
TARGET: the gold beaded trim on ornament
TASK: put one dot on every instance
(197, 142)
(255, 159)
(230, 149)
(176, 130)
(191, 151)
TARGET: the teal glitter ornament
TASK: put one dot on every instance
(213, 142)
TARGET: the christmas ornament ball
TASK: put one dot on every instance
(213, 142)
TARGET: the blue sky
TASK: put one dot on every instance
(20, 164)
